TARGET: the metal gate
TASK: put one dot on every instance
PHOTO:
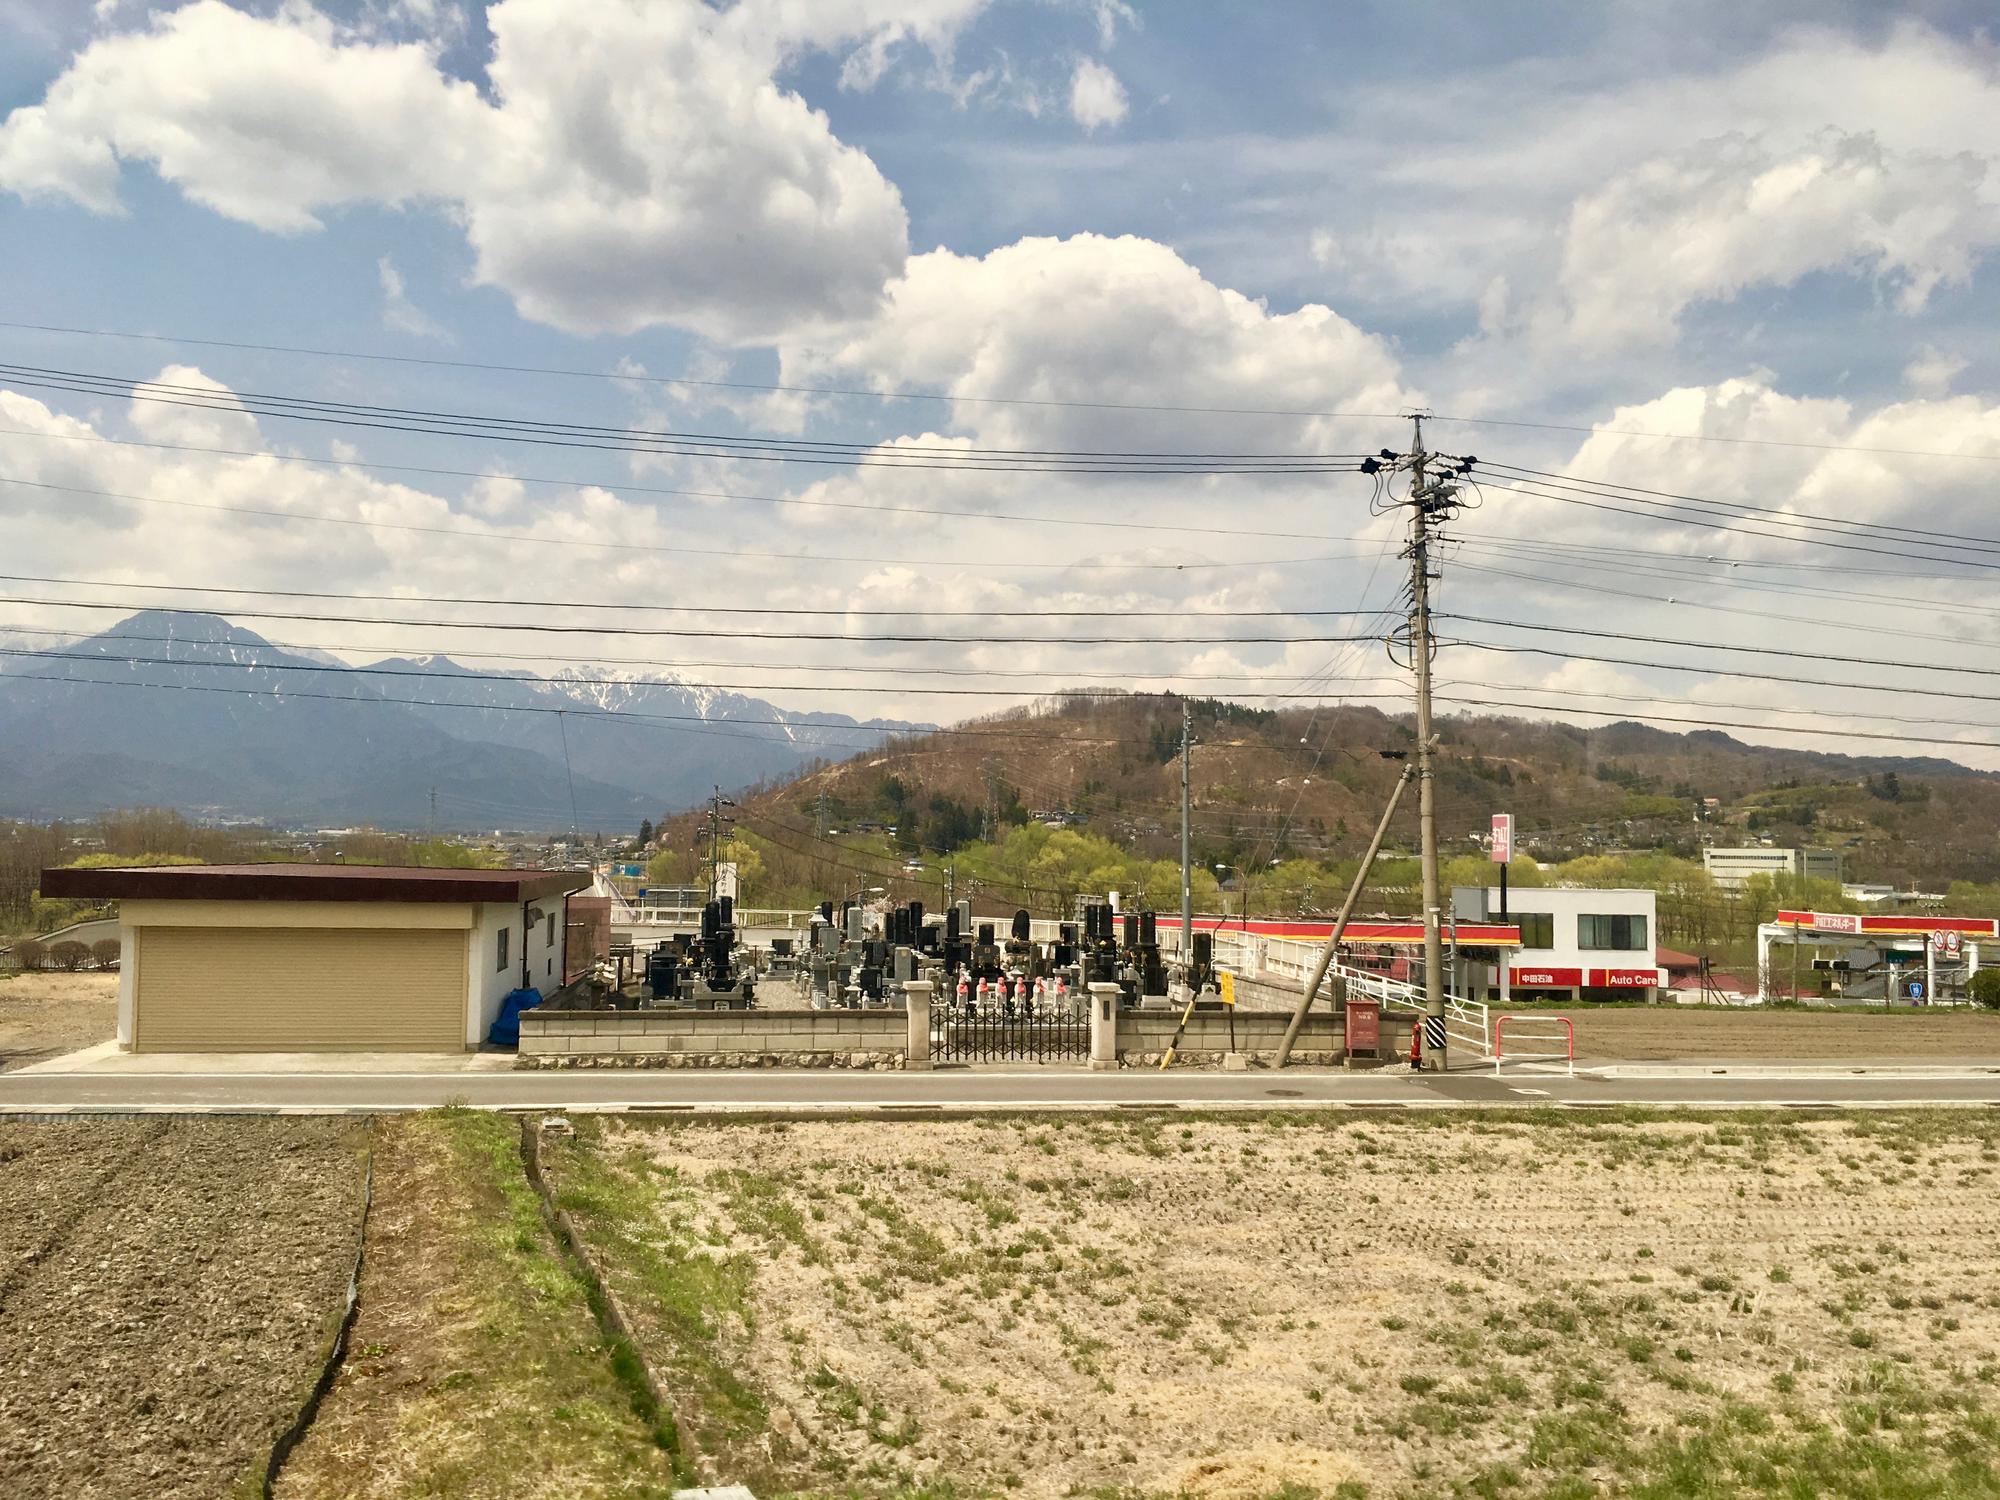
(1010, 1032)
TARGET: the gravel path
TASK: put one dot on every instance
(166, 1294)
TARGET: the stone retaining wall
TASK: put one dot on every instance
(1144, 1036)
(714, 1038)
(880, 1039)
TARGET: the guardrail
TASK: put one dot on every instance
(1540, 1043)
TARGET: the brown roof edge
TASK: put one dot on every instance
(295, 882)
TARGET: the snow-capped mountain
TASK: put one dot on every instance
(191, 711)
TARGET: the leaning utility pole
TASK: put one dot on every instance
(1426, 500)
(1187, 889)
(1332, 946)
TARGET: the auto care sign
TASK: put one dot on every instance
(1503, 838)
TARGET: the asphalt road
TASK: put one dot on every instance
(963, 1090)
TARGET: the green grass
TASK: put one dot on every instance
(686, 1293)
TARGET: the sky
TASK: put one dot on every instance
(1720, 256)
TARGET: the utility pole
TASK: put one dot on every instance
(1187, 888)
(715, 821)
(1427, 499)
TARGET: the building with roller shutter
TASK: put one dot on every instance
(324, 958)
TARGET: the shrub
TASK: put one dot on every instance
(69, 954)
(1985, 988)
(105, 952)
(30, 954)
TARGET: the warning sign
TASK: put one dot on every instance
(1227, 983)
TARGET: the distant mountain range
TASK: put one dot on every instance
(265, 739)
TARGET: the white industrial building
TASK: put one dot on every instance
(1731, 869)
(1576, 944)
(327, 958)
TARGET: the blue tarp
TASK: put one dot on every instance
(506, 1030)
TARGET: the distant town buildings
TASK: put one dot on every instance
(1732, 868)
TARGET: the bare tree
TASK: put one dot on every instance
(69, 954)
(105, 952)
(30, 953)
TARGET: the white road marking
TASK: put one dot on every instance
(1538, 1093)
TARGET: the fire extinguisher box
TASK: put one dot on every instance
(1364, 1028)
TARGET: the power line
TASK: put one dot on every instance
(1788, 515)
(519, 681)
(672, 664)
(710, 609)
(873, 560)
(1709, 606)
(1683, 516)
(1872, 688)
(548, 434)
(953, 398)
(1663, 640)
(1850, 734)
(637, 489)
(732, 633)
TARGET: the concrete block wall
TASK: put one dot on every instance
(748, 1038)
(1144, 1035)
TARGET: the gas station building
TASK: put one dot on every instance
(1917, 952)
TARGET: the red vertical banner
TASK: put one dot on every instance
(1503, 838)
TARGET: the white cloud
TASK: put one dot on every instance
(633, 165)
(1708, 223)
(1096, 97)
(1612, 206)
(1097, 319)
(398, 311)
(1932, 371)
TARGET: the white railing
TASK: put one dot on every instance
(1535, 1040)
(1467, 1022)
(689, 917)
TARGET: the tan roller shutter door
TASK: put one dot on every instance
(299, 989)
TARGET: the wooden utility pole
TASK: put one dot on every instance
(1340, 922)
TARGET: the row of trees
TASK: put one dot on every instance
(157, 836)
(1045, 869)
(68, 955)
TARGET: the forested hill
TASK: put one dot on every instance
(1311, 783)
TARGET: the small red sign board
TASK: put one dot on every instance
(1503, 838)
(1364, 1027)
(1534, 978)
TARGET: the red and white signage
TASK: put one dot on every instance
(1889, 924)
(1503, 838)
(1945, 941)
(1592, 979)
(1624, 979)
(1548, 978)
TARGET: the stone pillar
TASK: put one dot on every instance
(917, 1001)
(1104, 1027)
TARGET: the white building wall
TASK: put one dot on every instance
(1564, 956)
(1730, 868)
(489, 983)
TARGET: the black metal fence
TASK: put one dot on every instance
(1028, 1034)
